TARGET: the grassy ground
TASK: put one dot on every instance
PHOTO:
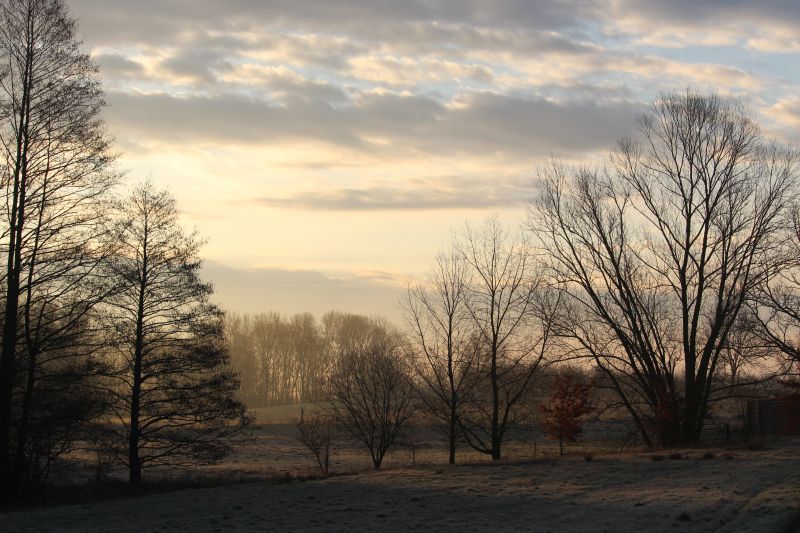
(704, 490)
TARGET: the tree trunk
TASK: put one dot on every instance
(452, 458)
(496, 450)
(20, 466)
(8, 373)
(495, 407)
(692, 423)
(134, 461)
(7, 376)
(8, 368)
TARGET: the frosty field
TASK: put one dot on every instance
(705, 490)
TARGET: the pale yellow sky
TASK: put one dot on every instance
(348, 138)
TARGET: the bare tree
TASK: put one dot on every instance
(512, 322)
(746, 351)
(175, 393)
(370, 392)
(658, 253)
(316, 433)
(774, 307)
(444, 350)
(244, 361)
(57, 167)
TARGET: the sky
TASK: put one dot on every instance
(327, 149)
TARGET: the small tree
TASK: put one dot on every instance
(564, 416)
(317, 434)
(371, 395)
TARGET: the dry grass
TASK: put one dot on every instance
(755, 491)
(272, 483)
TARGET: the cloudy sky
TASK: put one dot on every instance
(327, 148)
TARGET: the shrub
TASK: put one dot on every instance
(316, 433)
(564, 417)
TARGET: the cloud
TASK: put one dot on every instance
(515, 79)
(298, 291)
(200, 64)
(451, 192)
(765, 26)
(785, 118)
(483, 124)
(118, 66)
(284, 84)
(692, 12)
(153, 21)
(344, 116)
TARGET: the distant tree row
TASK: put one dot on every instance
(280, 360)
(284, 360)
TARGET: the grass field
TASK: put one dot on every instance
(271, 483)
(704, 490)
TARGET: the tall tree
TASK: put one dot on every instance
(444, 347)
(657, 254)
(57, 167)
(176, 396)
(512, 319)
(280, 359)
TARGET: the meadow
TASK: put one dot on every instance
(271, 483)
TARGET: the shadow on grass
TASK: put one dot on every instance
(51, 495)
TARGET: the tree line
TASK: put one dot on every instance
(283, 360)
(109, 339)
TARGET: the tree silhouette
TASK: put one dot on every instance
(370, 392)
(657, 254)
(175, 394)
(445, 348)
(512, 329)
(57, 166)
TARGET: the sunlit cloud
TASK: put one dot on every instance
(282, 115)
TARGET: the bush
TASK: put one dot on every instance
(571, 401)
(316, 433)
